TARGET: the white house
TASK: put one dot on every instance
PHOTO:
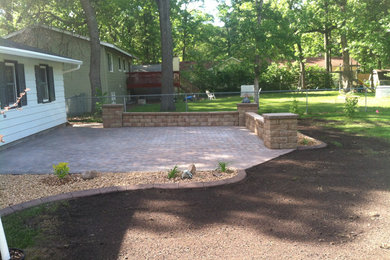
(43, 107)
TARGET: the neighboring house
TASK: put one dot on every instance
(43, 107)
(146, 79)
(115, 63)
(337, 63)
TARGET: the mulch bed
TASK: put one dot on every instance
(329, 203)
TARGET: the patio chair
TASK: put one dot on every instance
(211, 96)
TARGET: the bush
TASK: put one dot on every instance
(61, 170)
(350, 105)
(220, 79)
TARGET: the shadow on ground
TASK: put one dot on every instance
(306, 196)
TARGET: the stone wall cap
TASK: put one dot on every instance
(179, 113)
(247, 104)
(112, 105)
(280, 116)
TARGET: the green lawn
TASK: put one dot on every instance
(329, 106)
(321, 105)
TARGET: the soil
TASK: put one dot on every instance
(329, 203)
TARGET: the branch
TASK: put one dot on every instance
(56, 17)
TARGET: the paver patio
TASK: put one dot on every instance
(136, 149)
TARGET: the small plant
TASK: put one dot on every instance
(173, 172)
(350, 105)
(305, 141)
(222, 166)
(294, 107)
(61, 170)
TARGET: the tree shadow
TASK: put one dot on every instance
(304, 196)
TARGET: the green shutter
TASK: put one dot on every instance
(39, 85)
(52, 92)
(3, 92)
(21, 83)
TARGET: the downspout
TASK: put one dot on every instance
(72, 69)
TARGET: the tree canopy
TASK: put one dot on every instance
(289, 29)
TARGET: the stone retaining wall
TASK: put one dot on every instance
(255, 123)
(277, 130)
(142, 119)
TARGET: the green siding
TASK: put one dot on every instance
(77, 83)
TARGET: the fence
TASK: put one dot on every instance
(306, 101)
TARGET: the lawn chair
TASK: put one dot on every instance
(211, 96)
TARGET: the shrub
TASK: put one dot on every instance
(294, 107)
(61, 170)
(173, 172)
(350, 105)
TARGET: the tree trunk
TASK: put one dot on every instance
(346, 74)
(167, 89)
(94, 69)
(258, 63)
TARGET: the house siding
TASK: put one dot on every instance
(77, 83)
(34, 117)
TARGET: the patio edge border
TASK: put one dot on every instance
(241, 175)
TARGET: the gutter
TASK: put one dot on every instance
(37, 55)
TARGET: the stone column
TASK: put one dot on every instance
(242, 108)
(112, 115)
(280, 130)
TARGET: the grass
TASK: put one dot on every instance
(327, 106)
(23, 229)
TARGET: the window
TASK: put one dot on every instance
(119, 64)
(128, 65)
(45, 83)
(12, 83)
(109, 60)
(124, 65)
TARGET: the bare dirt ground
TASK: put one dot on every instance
(330, 203)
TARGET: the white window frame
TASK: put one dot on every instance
(46, 88)
(110, 63)
(10, 64)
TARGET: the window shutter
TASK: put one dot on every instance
(50, 75)
(3, 93)
(39, 85)
(21, 83)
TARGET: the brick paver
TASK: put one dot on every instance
(137, 149)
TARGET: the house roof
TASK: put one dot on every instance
(106, 44)
(320, 61)
(14, 48)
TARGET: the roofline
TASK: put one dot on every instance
(109, 45)
(37, 55)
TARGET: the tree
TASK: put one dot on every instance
(167, 90)
(94, 69)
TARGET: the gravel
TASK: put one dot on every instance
(16, 189)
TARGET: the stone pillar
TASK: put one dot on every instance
(112, 115)
(242, 108)
(280, 130)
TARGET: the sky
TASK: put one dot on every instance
(210, 7)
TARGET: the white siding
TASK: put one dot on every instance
(34, 117)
